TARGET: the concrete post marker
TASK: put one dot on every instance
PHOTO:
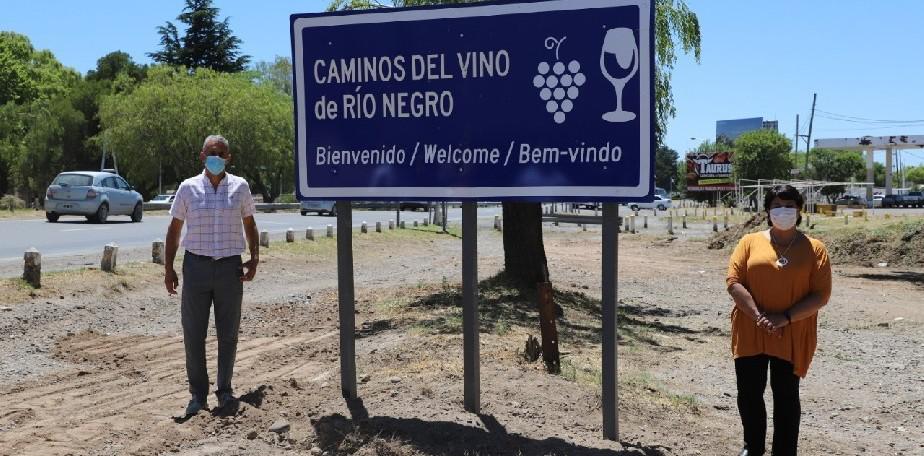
(378, 227)
(391, 224)
(32, 267)
(309, 234)
(110, 256)
(364, 228)
(264, 238)
(157, 252)
(290, 235)
(401, 225)
(330, 231)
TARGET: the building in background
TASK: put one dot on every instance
(727, 131)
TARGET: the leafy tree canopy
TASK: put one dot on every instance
(762, 154)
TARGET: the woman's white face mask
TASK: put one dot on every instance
(784, 218)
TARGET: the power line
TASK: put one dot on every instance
(848, 118)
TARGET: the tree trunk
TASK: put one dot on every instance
(524, 251)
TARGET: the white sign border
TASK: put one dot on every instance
(642, 190)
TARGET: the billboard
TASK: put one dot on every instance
(727, 131)
(535, 100)
(709, 171)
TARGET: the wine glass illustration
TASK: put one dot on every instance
(619, 63)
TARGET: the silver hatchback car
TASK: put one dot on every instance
(92, 194)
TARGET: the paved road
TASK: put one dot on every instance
(74, 236)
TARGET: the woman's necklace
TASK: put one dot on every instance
(781, 260)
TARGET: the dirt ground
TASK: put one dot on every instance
(93, 363)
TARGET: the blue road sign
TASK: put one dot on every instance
(545, 100)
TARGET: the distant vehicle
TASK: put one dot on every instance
(659, 192)
(661, 203)
(321, 207)
(850, 200)
(93, 194)
(413, 206)
(167, 199)
(911, 199)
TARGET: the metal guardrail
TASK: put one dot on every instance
(580, 219)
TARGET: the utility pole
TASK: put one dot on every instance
(808, 140)
(797, 138)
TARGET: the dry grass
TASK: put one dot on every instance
(57, 284)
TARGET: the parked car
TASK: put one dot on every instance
(850, 200)
(877, 200)
(413, 206)
(93, 194)
(164, 199)
(661, 203)
(321, 207)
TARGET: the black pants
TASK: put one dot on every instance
(751, 373)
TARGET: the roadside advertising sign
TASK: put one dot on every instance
(709, 171)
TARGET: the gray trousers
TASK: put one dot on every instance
(207, 281)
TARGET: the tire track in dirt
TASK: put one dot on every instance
(135, 383)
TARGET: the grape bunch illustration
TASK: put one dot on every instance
(558, 83)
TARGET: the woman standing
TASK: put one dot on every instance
(779, 279)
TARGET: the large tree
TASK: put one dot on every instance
(37, 128)
(676, 26)
(207, 41)
(835, 166)
(762, 154)
(157, 128)
(666, 167)
(276, 74)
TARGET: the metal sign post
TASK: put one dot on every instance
(346, 296)
(609, 385)
(470, 320)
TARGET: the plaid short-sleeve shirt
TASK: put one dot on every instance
(213, 217)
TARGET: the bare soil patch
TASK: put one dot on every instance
(93, 363)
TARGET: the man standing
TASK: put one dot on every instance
(218, 209)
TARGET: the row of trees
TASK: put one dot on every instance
(153, 119)
(766, 154)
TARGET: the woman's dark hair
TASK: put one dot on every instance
(784, 192)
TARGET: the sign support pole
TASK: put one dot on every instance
(470, 320)
(609, 385)
(345, 294)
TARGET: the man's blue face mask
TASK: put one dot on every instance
(215, 164)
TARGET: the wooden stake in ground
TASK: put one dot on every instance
(547, 326)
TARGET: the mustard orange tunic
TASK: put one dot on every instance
(776, 289)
